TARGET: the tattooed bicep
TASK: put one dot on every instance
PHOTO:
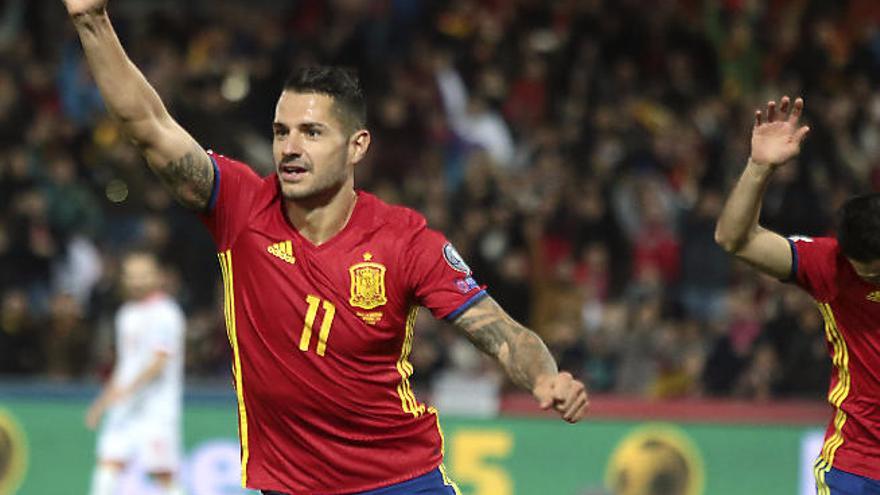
(189, 177)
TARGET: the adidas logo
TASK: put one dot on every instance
(282, 250)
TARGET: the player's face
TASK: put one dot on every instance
(140, 276)
(868, 271)
(314, 152)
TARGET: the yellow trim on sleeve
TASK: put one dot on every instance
(819, 470)
(404, 390)
(447, 480)
(836, 396)
(229, 311)
(408, 400)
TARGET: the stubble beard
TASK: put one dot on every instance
(317, 192)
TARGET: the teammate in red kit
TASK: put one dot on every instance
(843, 276)
(322, 287)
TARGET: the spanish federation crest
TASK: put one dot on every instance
(367, 284)
(873, 296)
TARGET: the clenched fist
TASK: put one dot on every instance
(564, 394)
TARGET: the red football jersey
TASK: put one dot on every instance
(321, 337)
(851, 309)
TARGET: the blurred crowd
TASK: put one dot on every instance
(577, 152)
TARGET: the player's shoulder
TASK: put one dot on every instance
(125, 309)
(163, 305)
(820, 266)
(822, 241)
(241, 170)
(167, 302)
(224, 162)
(241, 173)
(392, 217)
(818, 245)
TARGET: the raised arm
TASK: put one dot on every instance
(775, 141)
(178, 160)
(524, 358)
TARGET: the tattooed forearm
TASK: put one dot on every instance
(484, 329)
(519, 350)
(529, 359)
(189, 178)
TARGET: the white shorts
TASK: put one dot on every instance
(126, 437)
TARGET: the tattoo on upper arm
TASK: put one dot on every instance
(190, 178)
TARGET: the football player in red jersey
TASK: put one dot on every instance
(842, 275)
(322, 286)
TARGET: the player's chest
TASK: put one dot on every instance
(135, 328)
(856, 311)
(346, 297)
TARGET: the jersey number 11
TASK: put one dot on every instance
(326, 323)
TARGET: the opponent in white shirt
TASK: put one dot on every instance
(143, 399)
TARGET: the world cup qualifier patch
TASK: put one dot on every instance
(455, 260)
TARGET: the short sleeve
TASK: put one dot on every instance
(167, 333)
(814, 265)
(438, 276)
(235, 186)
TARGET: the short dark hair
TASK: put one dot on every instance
(859, 230)
(340, 83)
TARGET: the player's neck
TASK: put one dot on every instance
(151, 295)
(319, 222)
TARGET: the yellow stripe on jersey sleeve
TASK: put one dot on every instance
(838, 394)
(404, 390)
(229, 311)
(819, 471)
(447, 480)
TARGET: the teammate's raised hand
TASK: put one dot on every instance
(76, 7)
(777, 136)
(564, 394)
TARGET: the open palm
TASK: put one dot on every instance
(75, 7)
(777, 139)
